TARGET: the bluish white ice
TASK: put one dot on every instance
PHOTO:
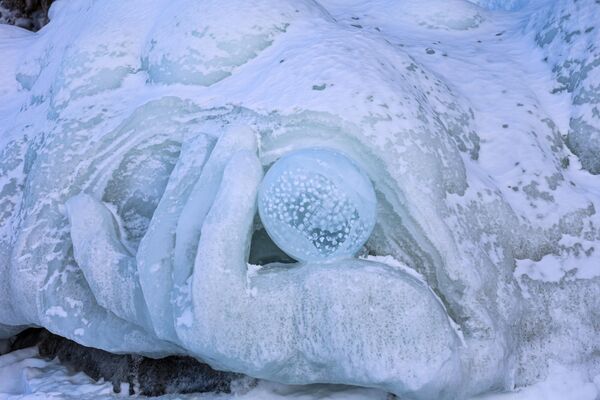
(317, 205)
(134, 137)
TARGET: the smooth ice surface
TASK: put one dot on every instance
(317, 205)
(133, 141)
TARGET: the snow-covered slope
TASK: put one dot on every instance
(134, 136)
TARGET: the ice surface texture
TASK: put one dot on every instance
(569, 35)
(317, 205)
(134, 138)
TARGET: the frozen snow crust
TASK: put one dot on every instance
(134, 137)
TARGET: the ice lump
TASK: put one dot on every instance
(317, 205)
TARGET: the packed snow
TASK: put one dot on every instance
(134, 137)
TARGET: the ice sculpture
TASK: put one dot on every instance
(132, 150)
(317, 205)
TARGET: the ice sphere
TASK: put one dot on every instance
(316, 205)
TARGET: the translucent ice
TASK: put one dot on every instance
(317, 205)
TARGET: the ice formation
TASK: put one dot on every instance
(317, 205)
(134, 137)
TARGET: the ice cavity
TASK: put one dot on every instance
(317, 205)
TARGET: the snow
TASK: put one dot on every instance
(561, 383)
(134, 137)
(56, 311)
(574, 264)
(25, 376)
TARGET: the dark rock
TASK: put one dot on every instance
(145, 376)
(28, 14)
(27, 338)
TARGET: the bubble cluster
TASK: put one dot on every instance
(317, 205)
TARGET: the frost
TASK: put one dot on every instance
(56, 312)
(214, 40)
(569, 35)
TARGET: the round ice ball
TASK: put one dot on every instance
(317, 205)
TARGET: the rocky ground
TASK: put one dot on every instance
(145, 376)
(28, 14)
